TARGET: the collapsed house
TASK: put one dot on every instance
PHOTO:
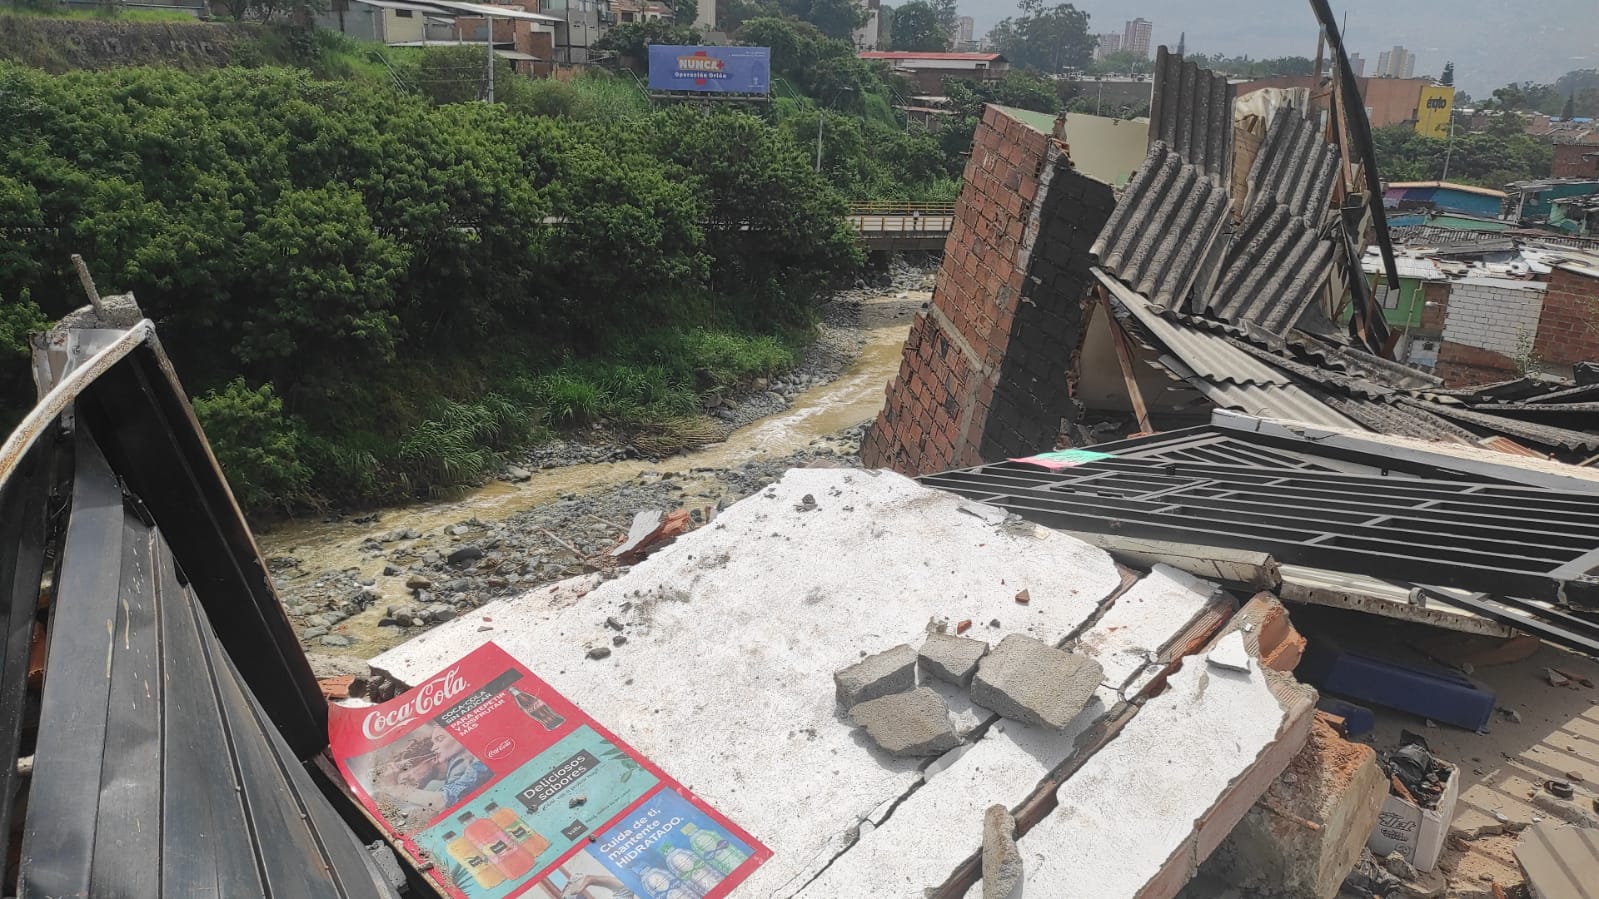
(1231, 273)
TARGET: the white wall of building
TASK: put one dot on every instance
(1490, 315)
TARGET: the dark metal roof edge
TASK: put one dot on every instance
(1363, 450)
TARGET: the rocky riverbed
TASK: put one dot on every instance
(356, 587)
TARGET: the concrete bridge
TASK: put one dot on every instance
(888, 226)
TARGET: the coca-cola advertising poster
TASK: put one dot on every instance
(508, 789)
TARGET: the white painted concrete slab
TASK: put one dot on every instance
(941, 824)
(1135, 804)
(735, 630)
(1127, 639)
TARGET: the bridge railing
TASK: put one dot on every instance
(896, 217)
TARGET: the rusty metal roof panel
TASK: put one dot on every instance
(1192, 112)
(1295, 168)
(1165, 227)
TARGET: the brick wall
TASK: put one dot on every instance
(1568, 331)
(1435, 306)
(1467, 366)
(983, 375)
(1576, 161)
(1501, 319)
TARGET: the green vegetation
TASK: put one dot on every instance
(1493, 160)
(372, 291)
(1575, 93)
(1048, 38)
(917, 27)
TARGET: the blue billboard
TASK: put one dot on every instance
(711, 70)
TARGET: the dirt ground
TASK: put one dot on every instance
(1539, 732)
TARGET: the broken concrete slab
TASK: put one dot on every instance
(908, 725)
(754, 613)
(931, 832)
(1139, 816)
(951, 659)
(1028, 680)
(880, 674)
(1230, 653)
(1002, 863)
(1305, 834)
(1131, 637)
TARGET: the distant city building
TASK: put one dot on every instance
(1357, 65)
(964, 27)
(869, 36)
(1135, 37)
(1108, 44)
(1396, 63)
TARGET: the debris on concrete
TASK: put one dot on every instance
(1027, 680)
(952, 659)
(599, 652)
(649, 531)
(1560, 861)
(754, 623)
(1141, 814)
(1024, 597)
(890, 671)
(1230, 653)
(1002, 863)
(909, 724)
(1556, 679)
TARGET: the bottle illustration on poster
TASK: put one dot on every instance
(511, 791)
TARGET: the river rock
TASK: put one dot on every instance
(311, 633)
(417, 582)
(464, 554)
(517, 474)
(336, 640)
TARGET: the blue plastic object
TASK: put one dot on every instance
(1443, 696)
(1358, 720)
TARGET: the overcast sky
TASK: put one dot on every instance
(1492, 42)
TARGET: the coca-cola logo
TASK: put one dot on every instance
(501, 748)
(428, 698)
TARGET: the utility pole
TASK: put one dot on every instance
(1449, 147)
(490, 21)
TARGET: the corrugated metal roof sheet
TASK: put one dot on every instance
(1295, 168)
(1192, 112)
(1542, 435)
(156, 772)
(1387, 418)
(1167, 223)
(1275, 268)
(1226, 375)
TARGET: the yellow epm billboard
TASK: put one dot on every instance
(1433, 109)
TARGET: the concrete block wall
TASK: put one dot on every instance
(983, 374)
(1501, 319)
(1568, 331)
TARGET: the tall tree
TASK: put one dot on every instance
(1448, 79)
(1570, 111)
(834, 18)
(917, 28)
(1050, 38)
